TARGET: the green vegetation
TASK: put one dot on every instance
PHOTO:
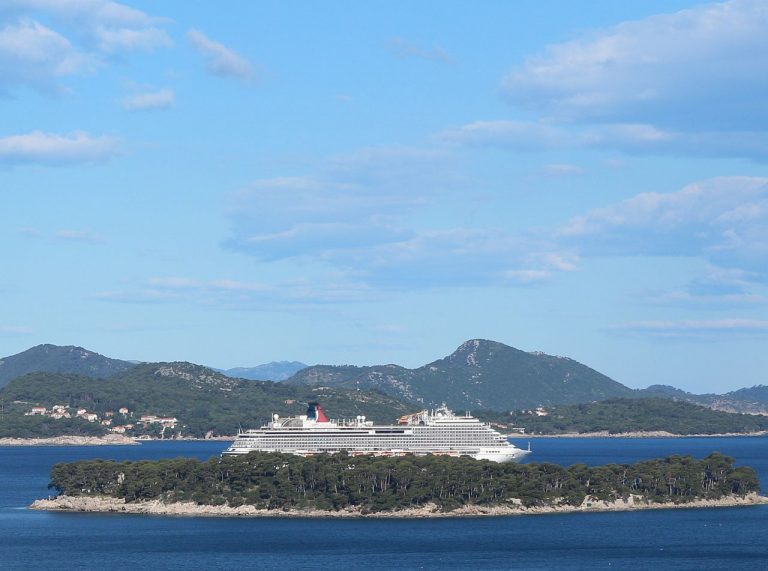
(633, 415)
(334, 482)
(20, 426)
(201, 399)
(757, 394)
(479, 374)
(55, 359)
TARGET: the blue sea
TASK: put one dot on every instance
(725, 538)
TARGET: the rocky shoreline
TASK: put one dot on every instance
(119, 439)
(104, 504)
(108, 440)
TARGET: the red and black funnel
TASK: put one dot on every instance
(315, 412)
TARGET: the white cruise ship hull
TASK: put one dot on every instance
(439, 434)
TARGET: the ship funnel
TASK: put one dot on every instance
(315, 412)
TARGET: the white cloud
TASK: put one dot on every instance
(638, 138)
(14, 331)
(515, 135)
(240, 295)
(101, 24)
(698, 69)
(33, 55)
(104, 11)
(403, 48)
(140, 296)
(44, 41)
(221, 60)
(149, 100)
(33, 233)
(711, 301)
(446, 258)
(631, 138)
(85, 236)
(48, 148)
(65, 235)
(112, 40)
(353, 216)
(352, 204)
(560, 261)
(723, 220)
(716, 288)
(697, 327)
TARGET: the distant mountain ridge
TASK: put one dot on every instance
(57, 359)
(752, 400)
(479, 374)
(274, 371)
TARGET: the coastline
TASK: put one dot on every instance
(122, 440)
(105, 504)
(107, 440)
(638, 434)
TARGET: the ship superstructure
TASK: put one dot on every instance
(438, 432)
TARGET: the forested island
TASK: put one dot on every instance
(281, 484)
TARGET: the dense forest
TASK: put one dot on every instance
(632, 415)
(203, 400)
(16, 425)
(373, 484)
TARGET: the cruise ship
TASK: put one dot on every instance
(438, 432)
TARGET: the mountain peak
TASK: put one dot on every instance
(48, 358)
(479, 374)
(479, 345)
(475, 352)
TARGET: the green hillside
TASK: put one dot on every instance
(757, 394)
(753, 400)
(56, 359)
(479, 374)
(201, 399)
(632, 415)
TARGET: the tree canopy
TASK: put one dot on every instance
(334, 482)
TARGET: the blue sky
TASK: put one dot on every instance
(376, 182)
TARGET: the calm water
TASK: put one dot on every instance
(733, 538)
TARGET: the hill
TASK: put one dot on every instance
(55, 359)
(757, 395)
(634, 415)
(479, 374)
(274, 371)
(752, 400)
(201, 399)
